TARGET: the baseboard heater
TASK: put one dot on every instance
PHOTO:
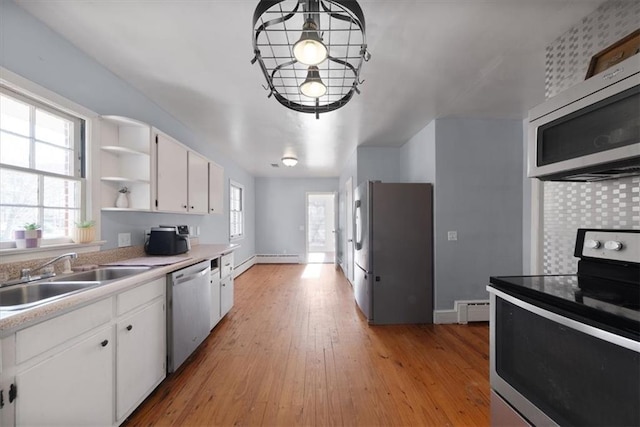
(278, 259)
(472, 311)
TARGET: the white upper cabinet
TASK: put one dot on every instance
(198, 183)
(216, 188)
(126, 161)
(159, 173)
(172, 175)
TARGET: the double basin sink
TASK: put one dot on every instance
(30, 294)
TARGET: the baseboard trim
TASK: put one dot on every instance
(277, 259)
(244, 266)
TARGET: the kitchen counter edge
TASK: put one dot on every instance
(16, 321)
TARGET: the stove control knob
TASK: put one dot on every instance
(613, 245)
(591, 244)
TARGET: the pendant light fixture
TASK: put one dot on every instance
(310, 52)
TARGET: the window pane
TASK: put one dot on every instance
(14, 150)
(14, 116)
(18, 188)
(53, 129)
(54, 159)
(63, 193)
(13, 218)
(58, 222)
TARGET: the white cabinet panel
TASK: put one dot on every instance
(226, 295)
(140, 356)
(172, 175)
(216, 188)
(215, 298)
(44, 336)
(74, 387)
(198, 183)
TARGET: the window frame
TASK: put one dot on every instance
(89, 206)
(241, 188)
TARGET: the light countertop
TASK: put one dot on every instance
(11, 321)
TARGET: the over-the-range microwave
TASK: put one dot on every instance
(591, 131)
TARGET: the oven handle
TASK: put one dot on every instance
(570, 323)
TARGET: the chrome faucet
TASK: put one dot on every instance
(25, 273)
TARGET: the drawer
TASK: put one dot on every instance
(135, 297)
(39, 338)
(226, 264)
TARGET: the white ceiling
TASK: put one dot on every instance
(430, 59)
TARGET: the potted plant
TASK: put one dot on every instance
(29, 236)
(84, 231)
(122, 201)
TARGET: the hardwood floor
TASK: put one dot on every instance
(295, 350)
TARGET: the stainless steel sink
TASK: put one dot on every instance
(26, 295)
(103, 274)
(30, 294)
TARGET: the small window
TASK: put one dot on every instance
(41, 172)
(236, 211)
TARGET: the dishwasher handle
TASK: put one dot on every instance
(182, 279)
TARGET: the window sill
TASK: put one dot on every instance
(18, 255)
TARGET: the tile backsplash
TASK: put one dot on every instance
(567, 205)
(572, 205)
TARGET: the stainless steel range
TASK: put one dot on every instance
(565, 349)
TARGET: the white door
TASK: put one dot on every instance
(74, 387)
(349, 229)
(172, 175)
(198, 183)
(321, 226)
(140, 356)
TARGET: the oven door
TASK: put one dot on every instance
(556, 371)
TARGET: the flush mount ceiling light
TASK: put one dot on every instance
(310, 51)
(289, 161)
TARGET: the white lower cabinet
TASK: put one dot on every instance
(215, 298)
(73, 387)
(91, 366)
(226, 295)
(140, 356)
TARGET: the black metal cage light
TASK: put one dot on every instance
(310, 51)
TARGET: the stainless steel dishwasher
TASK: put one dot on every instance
(188, 320)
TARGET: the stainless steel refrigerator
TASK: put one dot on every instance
(393, 274)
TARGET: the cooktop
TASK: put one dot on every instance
(607, 304)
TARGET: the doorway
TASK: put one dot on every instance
(321, 237)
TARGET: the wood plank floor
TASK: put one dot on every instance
(295, 350)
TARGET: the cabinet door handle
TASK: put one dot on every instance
(184, 206)
(104, 343)
(130, 327)
(13, 393)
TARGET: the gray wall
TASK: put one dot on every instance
(478, 194)
(281, 211)
(418, 156)
(32, 50)
(476, 166)
(378, 164)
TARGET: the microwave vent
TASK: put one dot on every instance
(606, 171)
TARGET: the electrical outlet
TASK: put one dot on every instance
(124, 240)
(452, 235)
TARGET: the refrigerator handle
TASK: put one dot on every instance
(357, 225)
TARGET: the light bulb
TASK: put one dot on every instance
(313, 86)
(313, 89)
(309, 49)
